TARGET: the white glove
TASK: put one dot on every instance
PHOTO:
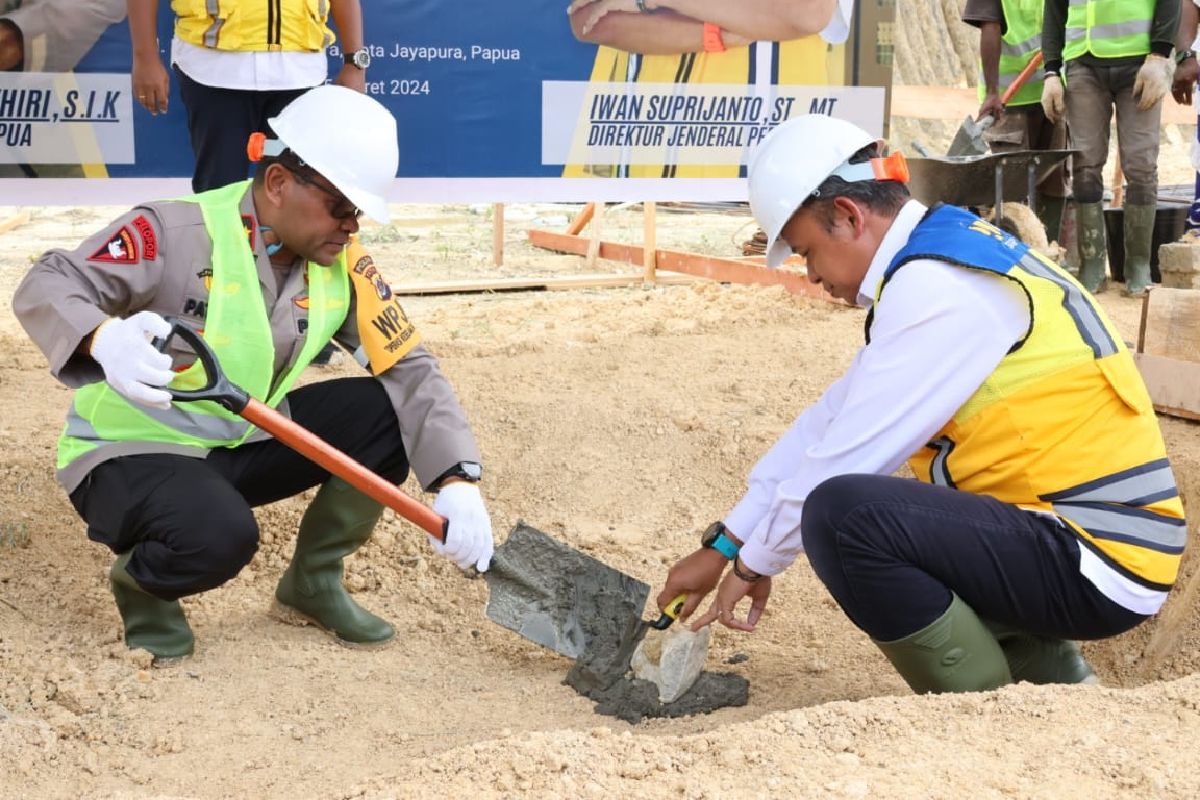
(1153, 81)
(1054, 99)
(131, 365)
(469, 535)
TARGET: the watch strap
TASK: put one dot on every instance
(725, 546)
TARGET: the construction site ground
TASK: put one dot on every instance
(622, 421)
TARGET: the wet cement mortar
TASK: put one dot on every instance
(570, 602)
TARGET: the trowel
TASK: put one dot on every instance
(670, 658)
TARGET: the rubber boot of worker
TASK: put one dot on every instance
(1041, 659)
(954, 653)
(1050, 212)
(150, 623)
(1139, 237)
(339, 520)
(1089, 228)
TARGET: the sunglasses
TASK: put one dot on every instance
(342, 208)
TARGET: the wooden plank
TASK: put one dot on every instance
(1172, 324)
(951, 102)
(586, 281)
(727, 270)
(15, 221)
(1174, 385)
(593, 248)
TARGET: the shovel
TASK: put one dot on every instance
(968, 141)
(539, 587)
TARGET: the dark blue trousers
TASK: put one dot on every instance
(891, 550)
(220, 122)
(188, 520)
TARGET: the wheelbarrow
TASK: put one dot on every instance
(992, 179)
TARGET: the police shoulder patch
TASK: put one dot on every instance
(121, 248)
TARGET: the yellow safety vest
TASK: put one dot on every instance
(1108, 28)
(289, 25)
(1064, 424)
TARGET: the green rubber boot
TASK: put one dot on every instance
(1139, 237)
(1089, 221)
(1050, 212)
(954, 653)
(1041, 659)
(150, 623)
(339, 520)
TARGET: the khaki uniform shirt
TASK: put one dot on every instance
(158, 257)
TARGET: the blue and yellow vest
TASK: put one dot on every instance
(262, 25)
(238, 330)
(1064, 424)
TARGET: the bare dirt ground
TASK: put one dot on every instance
(621, 421)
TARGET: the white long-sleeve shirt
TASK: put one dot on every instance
(941, 333)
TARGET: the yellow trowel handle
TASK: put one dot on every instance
(670, 613)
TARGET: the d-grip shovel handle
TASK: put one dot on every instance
(219, 389)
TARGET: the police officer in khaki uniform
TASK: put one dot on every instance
(168, 486)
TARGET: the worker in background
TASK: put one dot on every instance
(1010, 37)
(169, 486)
(1183, 90)
(1100, 54)
(1045, 509)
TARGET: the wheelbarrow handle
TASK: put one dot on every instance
(231, 396)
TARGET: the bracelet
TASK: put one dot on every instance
(749, 577)
(713, 43)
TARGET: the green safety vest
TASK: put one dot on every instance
(1108, 28)
(1022, 41)
(236, 327)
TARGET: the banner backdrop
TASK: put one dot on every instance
(495, 101)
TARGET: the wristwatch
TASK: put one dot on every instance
(1183, 55)
(716, 537)
(464, 470)
(359, 58)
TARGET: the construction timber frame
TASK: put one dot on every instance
(658, 266)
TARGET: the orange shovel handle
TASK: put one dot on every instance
(1023, 76)
(313, 447)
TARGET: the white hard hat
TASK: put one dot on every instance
(349, 138)
(790, 164)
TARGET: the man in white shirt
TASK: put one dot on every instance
(1045, 509)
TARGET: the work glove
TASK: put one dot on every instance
(1054, 98)
(469, 534)
(131, 364)
(1153, 81)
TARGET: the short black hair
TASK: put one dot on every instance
(288, 160)
(883, 197)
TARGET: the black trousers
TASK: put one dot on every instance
(220, 122)
(891, 550)
(188, 520)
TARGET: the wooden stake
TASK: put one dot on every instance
(15, 221)
(581, 219)
(1118, 180)
(593, 250)
(498, 234)
(650, 240)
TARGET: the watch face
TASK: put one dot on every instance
(361, 59)
(711, 533)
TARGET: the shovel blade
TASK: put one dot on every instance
(968, 140)
(558, 597)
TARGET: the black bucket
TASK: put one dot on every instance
(1169, 221)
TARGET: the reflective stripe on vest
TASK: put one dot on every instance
(238, 330)
(288, 25)
(1022, 40)
(1064, 423)
(1108, 28)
